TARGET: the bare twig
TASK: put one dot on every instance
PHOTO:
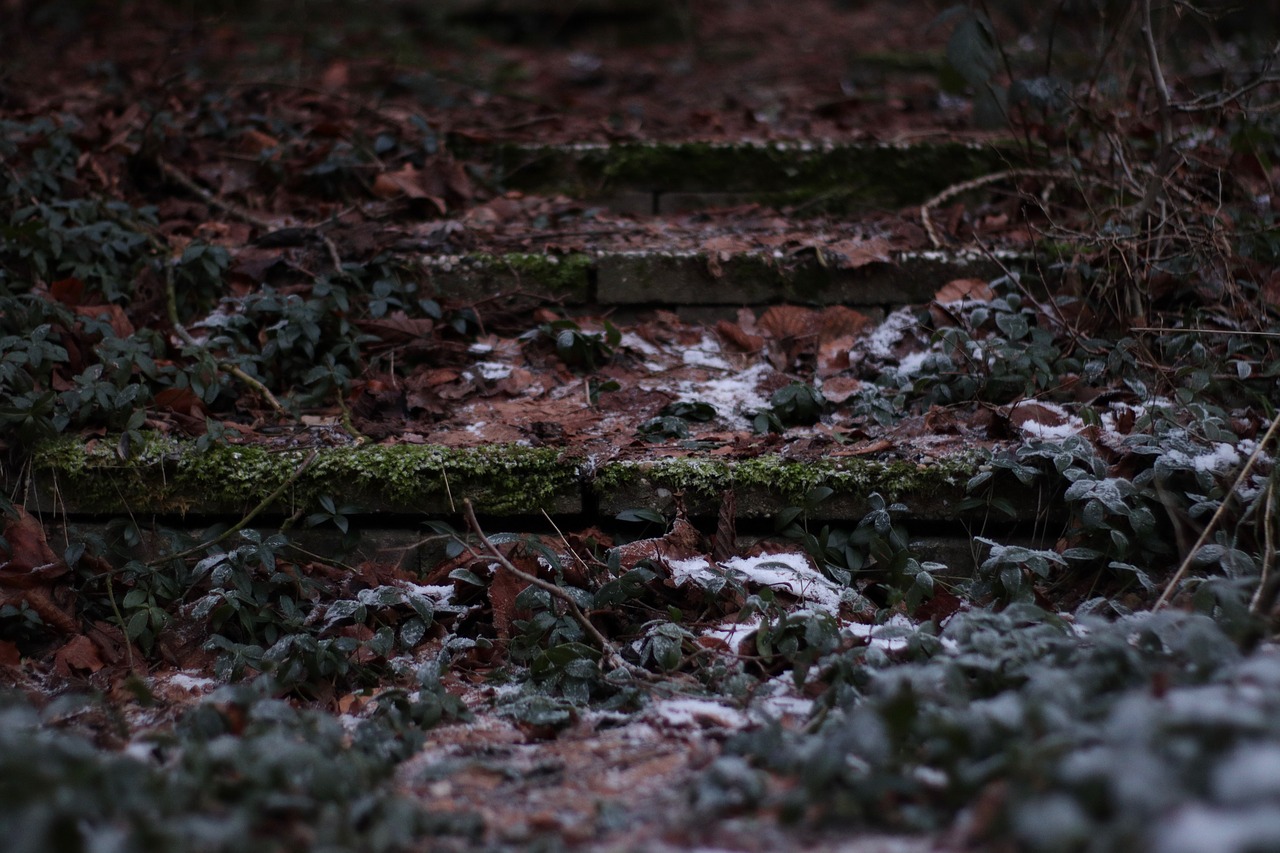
(1217, 516)
(1268, 548)
(171, 296)
(964, 186)
(252, 514)
(610, 652)
(180, 178)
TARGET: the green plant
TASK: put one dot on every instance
(795, 405)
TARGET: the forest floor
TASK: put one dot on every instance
(272, 263)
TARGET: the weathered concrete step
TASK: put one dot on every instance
(668, 177)
(173, 479)
(677, 279)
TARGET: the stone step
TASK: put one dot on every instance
(687, 279)
(671, 177)
(173, 479)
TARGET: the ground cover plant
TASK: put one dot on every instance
(225, 263)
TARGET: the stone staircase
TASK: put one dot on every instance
(391, 489)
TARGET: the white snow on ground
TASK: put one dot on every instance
(889, 644)
(632, 341)
(732, 632)
(730, 395)
(880, 343)
(792, 573)
(493, 370)
(695, 713)
(706, 354)
(191, 683)
(911, 363)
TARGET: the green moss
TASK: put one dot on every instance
(786, 480)
(171, 477)
(561, 275)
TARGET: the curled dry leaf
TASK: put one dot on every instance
(958, 289)
(790, 321)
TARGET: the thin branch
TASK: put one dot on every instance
(964, 186)
(1217, 516)
(610, 652)
(171, 296)
(180, 178)
(243, 522)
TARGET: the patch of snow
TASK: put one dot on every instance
(696, 568)
(888, 644)
(732, 632)
(912, 362)
(1052, 432)
(730, 395)
(192, 683)
(879, 344)
(1198, 828)
(696, 713)
(493, 370)
(480, 349)
(791, 572)
(706, 354)
(1221, 457)
(631, 340)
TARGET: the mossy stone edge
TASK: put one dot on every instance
(171, 478)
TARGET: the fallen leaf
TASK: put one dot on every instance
(959, 289)
(856, 253)
(79, 653)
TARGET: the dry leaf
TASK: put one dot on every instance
(856, 253)
(956, 290)
(80, 654)
(790, 321)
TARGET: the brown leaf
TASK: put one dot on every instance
(68, 291)
(255, 142)
(974, 289)
(399, 327)
(181, 400)
(114, 314)
(31, 560)
(854, 253)
(408, 182)
(789, 322)
(9, 654)
(78, 654)
(733, 334)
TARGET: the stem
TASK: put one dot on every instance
(611, 655)
(253, 513)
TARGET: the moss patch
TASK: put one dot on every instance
(167, 476)
(768, 483)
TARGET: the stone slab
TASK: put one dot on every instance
(697, 279)
(822, 176)
(170, 478)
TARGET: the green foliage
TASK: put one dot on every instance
(797, 404)
(239, 772)
(579, 349)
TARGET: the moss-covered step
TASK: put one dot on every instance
(768, 484)
(172, 478)
(165, 477)
(670, 278)
(513, 278)
(695, 278)
(830, 176)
